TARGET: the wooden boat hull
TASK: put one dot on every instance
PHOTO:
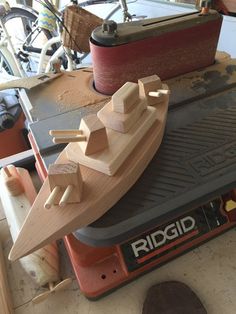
(100, 193)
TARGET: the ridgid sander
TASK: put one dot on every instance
(167, 46)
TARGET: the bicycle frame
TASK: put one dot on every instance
(13, 56)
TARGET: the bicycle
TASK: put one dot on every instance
(32, 49)
(14, 43)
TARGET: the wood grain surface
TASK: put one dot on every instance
(5, 297)
(43, 265)
(30, 82)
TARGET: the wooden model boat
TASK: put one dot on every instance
(103, 159)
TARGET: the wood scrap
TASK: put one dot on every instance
(43, 265)
(5, 296)
(29, 82)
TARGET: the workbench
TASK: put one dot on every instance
(208, 269)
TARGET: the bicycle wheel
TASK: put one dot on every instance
(27, 38)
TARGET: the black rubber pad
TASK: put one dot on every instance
(172, 297)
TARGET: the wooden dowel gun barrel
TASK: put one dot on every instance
(17, 195)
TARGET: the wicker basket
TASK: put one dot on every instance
(79, 25)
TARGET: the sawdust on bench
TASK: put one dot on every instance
(73, 90)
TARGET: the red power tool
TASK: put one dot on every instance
(167, 46)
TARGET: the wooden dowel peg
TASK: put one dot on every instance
(7, 172)
(159, 93)
(50, 201)
(51, 286)
(13, 183)
(59, 140)
(66, 195)
(65, 132)
(164, 91)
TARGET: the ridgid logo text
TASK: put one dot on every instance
(158, 238)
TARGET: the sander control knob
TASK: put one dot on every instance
(109, 27)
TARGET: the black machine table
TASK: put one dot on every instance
(186, 195)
